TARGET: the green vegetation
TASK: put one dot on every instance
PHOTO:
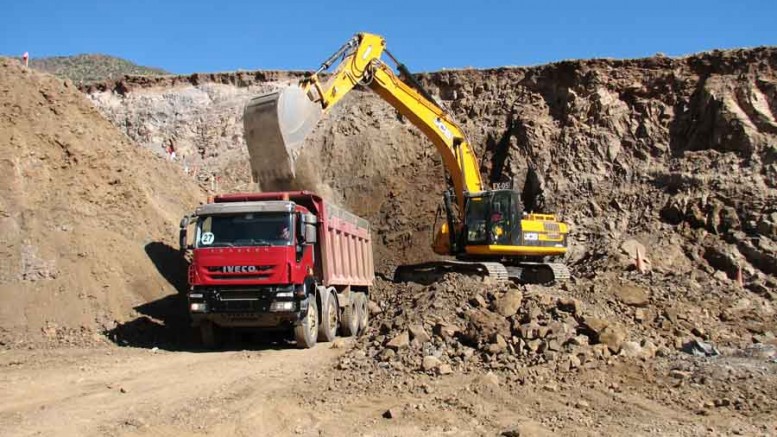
(91, 68)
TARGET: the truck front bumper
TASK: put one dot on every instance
(266, 308)
(278, 321)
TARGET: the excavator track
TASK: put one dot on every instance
(530, 273)
(538, 273)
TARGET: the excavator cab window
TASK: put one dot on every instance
(504, 218)
(500, 220)
(476, 220)
(494, 218)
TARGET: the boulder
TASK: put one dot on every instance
(631, 349)
(446, 330)
(430, 363)
(569, 305)
(499, 344)
(387, 354)
(483, 325)
(509, 303)
(374, 308)
(595, 324)
(632, 294)
(613, 336)
(630, 248)
(402, 340)
(649, 350)
(478, 301)
(392, 413)
(418, 333)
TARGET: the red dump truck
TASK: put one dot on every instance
(281, 261)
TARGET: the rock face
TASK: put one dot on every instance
(677, 153)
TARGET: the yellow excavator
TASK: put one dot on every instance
(485, 228)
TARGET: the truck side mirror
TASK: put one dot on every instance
(310, 234)
(182, 237)
(308, 228)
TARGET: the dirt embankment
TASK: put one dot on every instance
(86, 216)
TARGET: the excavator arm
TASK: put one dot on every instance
(490, 225)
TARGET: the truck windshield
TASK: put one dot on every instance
(252, 229)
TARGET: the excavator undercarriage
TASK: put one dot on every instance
(524, 273)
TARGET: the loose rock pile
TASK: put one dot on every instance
(462, 324)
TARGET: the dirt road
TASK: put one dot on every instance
(139, 391)
(283, 391)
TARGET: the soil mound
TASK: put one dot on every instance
(83, 214)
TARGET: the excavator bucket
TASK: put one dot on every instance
(275, 126)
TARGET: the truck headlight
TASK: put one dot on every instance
(198, 307)
(284, 294)
(282, 306)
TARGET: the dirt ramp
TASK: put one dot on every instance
(79, 203)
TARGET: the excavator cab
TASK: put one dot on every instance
(493, 218)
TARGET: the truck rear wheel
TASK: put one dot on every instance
(306, 332)
(363, 311)
(327, 327)
(350, 320)
(209, 334)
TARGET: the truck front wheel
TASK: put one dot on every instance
(209, 334)
(306, 331)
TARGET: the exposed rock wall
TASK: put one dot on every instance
(678, 153)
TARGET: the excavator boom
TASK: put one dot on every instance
(489, 225)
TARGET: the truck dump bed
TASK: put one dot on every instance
(344, 241)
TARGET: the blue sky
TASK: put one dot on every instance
(191, 36)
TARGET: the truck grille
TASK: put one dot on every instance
(239, 300)
(227, 273)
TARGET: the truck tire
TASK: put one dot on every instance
(363, 311)
(349, 323)
(327, 326)
(306, 331)
(209, 334)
